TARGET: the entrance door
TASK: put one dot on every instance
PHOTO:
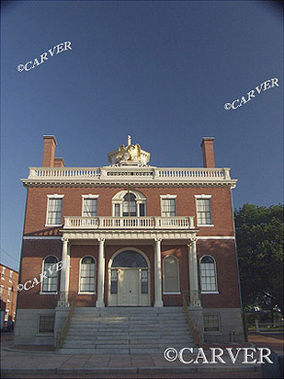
(128, 289)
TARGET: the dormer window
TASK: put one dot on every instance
(129, 204)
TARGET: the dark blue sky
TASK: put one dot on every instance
(160, 71)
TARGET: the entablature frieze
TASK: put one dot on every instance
(129, 235)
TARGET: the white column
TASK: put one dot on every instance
(193, 274)
(158, 274)
(101, 274)
(64, 273)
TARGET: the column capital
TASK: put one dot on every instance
(64, 239)
(101, 239)
(191, 241)
(158, 239)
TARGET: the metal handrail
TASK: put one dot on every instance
(61, 335)
(192, 327)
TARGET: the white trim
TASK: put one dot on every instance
(48, 225)
(171, 293)
(168, 196)
(90, 196)
(215, 237)
(41, 237)
(56, 196)
(48, 293)
(206, 225)
(203, 196)
(209, 292)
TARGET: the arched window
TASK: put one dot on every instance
(129, 259)
(208, 278)
(171, 275)
(50, 275)
(129, 204)
(87, 275)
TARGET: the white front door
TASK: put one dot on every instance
(128, 287)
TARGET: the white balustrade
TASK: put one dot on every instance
(150, 222)
(134, 173)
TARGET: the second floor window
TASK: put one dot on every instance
(11, 276)
(54, 211)
(203, 210)
(3, 273)
(89, 207)
(168, 207)
(129, 204)
(9, 294)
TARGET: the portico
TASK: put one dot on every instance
(114, 281)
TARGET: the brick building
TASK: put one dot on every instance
(8, 293)
(128, 234)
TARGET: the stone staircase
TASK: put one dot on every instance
(124, 330)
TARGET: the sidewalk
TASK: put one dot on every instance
(49, 364)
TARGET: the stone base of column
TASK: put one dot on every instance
(100, 304)
(158, 304)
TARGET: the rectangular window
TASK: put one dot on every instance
(54, 211)
(168, 207)
(211, 323)
(11, 275)
(1, 291)
(203, 207)
(46, 324)
(116, 210)
(113, 286)
(3, 273)
(89, 207)
(142, 212)
(9, 294)
(144, 281)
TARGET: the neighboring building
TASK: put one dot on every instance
(8, 293)
(129, 234)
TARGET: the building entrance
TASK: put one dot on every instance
(129, 283)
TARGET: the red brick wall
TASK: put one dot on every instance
(33, 253)
(72, 206)
(223, 251)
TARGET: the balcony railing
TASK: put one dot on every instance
(151, 222)
(113, 173)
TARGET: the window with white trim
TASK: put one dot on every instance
(1, 290)
(168, 207)
(129, 204)
(50, 275)
(203, 210)
(11, 276)
(89, 207)
(208, 279)
(54, 210)
(211, 323)
(171, 275)
(9, 294)
(87, 275)
(3, 273)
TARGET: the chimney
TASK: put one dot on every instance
(58, 162)
(49, 144)
(208, 152)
